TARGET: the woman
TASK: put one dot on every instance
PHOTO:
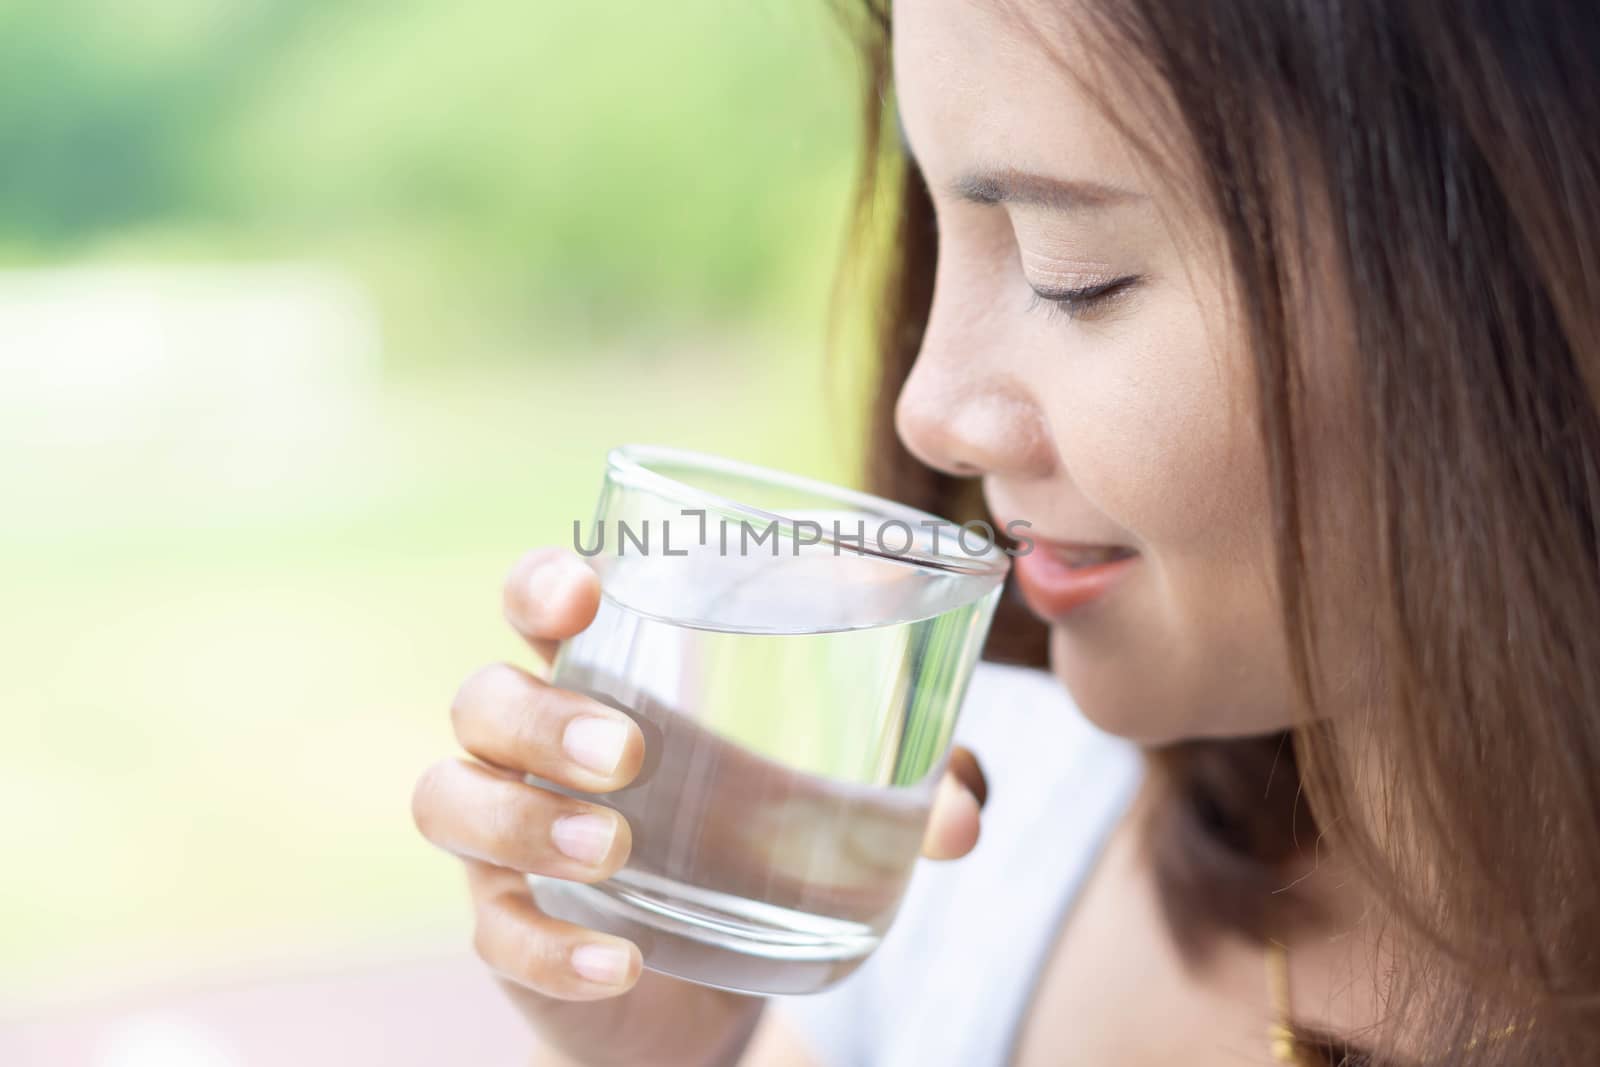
(1280, 322)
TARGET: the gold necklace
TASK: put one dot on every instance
(1281, 1033)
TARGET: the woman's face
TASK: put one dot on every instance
(1079, 359)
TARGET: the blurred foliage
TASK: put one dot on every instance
(501, 172)
(583, 224)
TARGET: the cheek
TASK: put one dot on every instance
(1156, 430)
(1154, 426)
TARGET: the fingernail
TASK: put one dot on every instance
(550, 577)
(596, 743)
(539, 581)
(606, 964)
(585, 838)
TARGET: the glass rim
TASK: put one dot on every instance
(631, 465)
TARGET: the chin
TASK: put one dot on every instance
(1146, 697)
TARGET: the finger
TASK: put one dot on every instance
(964, 765)
(478, 813)
(554, 958)
(953, 824)
(550, 595)
(509, 718)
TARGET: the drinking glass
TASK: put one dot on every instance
(796, 655)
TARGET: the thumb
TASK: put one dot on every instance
(953, 824)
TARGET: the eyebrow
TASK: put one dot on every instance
(1009, 186)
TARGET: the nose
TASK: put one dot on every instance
(964, 412)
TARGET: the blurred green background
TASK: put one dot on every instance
(313, 316)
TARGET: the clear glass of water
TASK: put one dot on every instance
(796, 655)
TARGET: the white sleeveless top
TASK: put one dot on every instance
(956, 972)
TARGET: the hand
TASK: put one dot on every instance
(583, 990)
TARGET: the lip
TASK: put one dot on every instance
(1055, 588)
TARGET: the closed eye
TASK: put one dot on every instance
(1083, 300)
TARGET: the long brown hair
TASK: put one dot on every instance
(1455, 150)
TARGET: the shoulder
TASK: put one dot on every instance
(956, 969)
